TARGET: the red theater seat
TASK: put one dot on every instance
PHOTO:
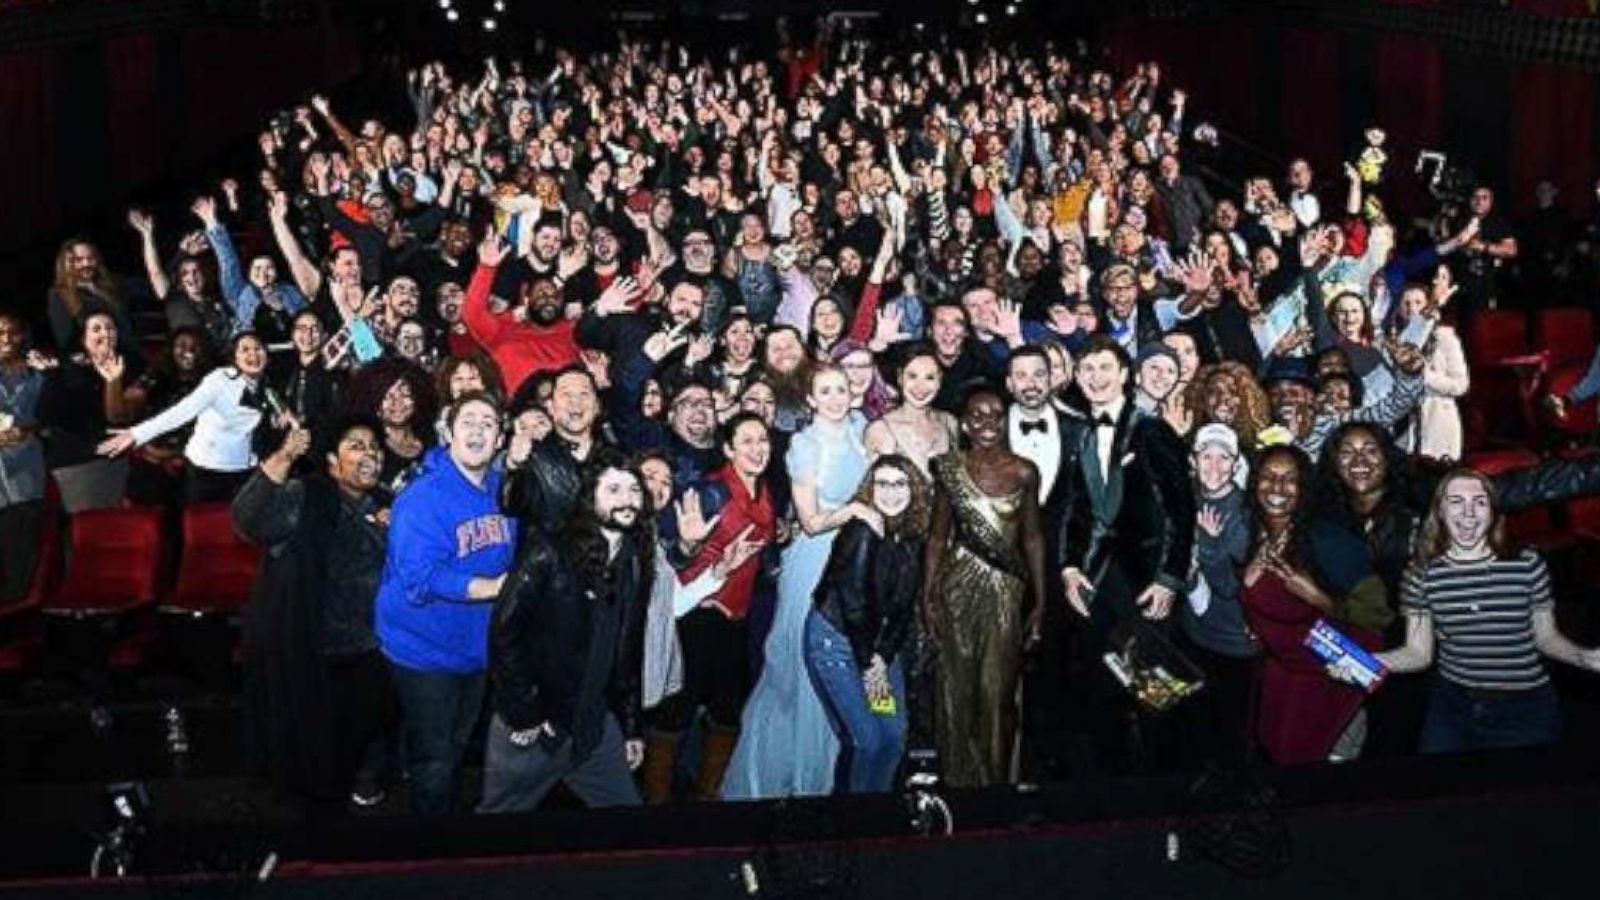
(1497, 334)
(1496, 462)
(115, 563)
(1566, 334)
(113, 576)
(21, 632)
(216, 568)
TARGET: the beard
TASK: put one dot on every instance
(623, 518)
(544, 314)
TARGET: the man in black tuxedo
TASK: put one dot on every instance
(1126, 544)
(1051, 437)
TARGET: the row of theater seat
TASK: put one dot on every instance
(114, 566)
(1516, 358)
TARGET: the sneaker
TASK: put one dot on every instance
(368, 797)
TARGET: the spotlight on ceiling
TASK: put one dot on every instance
(981, 18)
(452, 15)
(489, 24)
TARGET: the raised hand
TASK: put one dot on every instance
(492, 251)
(194, 243)
(664, 342)
(205, 209)
(142, 222)
(700, 349)
(295, 443)
(617, 297)
(1210, 520)
(1248, 293)
(887, 331)
(277, 205)
(736, 554)
(1008, 321)
(693, 526)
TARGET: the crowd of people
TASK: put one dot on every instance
(722, 426)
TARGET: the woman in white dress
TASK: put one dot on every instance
(1437, 430)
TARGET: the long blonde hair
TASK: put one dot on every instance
(66, 285)
(1434, 540)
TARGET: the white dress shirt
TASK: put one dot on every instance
(1042, 448)
(1105, 436)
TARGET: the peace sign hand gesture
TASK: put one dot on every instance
(665, 342)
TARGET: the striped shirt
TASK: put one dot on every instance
(1483, 618)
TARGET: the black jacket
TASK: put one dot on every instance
(543, 491)
(1150, 533)
(544, 623)
(869, 590)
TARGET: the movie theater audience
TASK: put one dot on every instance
(1188, 409)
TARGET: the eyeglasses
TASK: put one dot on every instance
(693, 403)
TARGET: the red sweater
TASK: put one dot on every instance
(520, 349)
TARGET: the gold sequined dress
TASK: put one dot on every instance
(981, 588)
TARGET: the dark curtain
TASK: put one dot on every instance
(1310, 101)
(1552, 119)
(27, 160)
(134, 108)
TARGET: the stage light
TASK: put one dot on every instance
(489, 24)
(444, 4)
(1011, 9)
(499, 6)
(981, 18)
(452, 15)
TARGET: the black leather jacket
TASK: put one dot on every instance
(869, 590)
(545, 620)
(544, 489)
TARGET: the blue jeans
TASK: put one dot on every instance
(439, 710)
(871, 744)
(1461, 719)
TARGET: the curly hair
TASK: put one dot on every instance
(488, 373)
(1255, 409)
(913, 523)
(371, 383)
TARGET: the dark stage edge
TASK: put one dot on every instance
(1518, 825)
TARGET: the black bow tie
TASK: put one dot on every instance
(1040, 426)
(1104, 420)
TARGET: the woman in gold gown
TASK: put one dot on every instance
(985, 556)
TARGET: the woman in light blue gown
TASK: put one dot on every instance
(786, 746)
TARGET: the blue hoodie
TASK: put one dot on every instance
(445, 531)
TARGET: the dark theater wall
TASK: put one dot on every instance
(84, 124)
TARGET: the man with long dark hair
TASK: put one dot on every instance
(565, 653)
